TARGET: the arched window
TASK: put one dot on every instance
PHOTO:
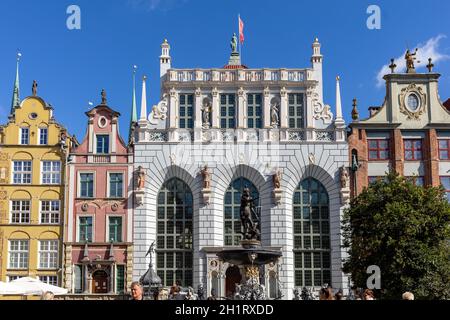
(232, 219)
(311, 234)
(174, 251)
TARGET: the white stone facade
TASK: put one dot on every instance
(317, 149)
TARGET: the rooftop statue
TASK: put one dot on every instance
(410, 57)
(234, 43)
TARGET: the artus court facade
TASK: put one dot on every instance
(216, 131)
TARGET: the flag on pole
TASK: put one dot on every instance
(241, 30)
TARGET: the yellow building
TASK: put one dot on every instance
(33, 150)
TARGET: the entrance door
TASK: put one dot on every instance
(233, 277)
(100, 282)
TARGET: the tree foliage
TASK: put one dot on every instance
(404, 229)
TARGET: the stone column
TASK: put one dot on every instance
(283, 108)
(241, 109)
(85, 279)
(173, 109)
(266, 113)
(198, 109)
(215, 108)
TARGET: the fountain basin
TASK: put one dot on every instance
(243, 256)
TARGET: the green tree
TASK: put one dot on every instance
(404, 229)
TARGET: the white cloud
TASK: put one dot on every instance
(428, 50)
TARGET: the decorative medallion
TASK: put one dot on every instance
(412, 101)
(84, 207)
(115, 206)
(3, 156)
(102, 122)
(3, 195)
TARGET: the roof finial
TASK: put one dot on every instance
(355, 114)
(392, 66)
(430, 65)
(143, 116)
(34, 88)
(103, 97)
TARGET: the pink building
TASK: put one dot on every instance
(98, 228)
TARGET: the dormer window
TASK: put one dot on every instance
(103, 144)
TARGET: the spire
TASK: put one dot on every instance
(133, 106)
(144, 101)
(16, 97)
(338, 101)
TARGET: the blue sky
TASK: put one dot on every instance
(72, 66)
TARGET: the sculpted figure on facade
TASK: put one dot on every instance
(276, 179)
(274, 111)
(206, 110)
(345, 178)
(206, 177)
(141, 178)
(248, 216)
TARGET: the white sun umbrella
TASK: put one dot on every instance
(10, 288)
(34, 286)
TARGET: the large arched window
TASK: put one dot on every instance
(232, 206)
(174, 233)
(311, 234)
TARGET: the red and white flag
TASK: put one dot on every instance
(241, 30)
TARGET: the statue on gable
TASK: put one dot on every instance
(410, 57)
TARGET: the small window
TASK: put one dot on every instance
(86, 185)
(378, 149)
(85, 229)
(20, 211)
(49, 211)
(43, 136)
(103, 144)
(445, 182)
(413, 149)
(33, 116)
(25, 136)
(18, 254)
(444, 149)
(116, 185)
(51, 172)
(22, 172)
(48, 254)
(115, 229)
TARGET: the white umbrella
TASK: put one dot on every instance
(34, 286)
(10, 288)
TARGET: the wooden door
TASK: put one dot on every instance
(100, 282)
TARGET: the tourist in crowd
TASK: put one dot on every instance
(213, 295)
(408, 296)
(175, 290)
(137, 293)
(339, 295)
(368, 295)
(326, 293)
(47, 295)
